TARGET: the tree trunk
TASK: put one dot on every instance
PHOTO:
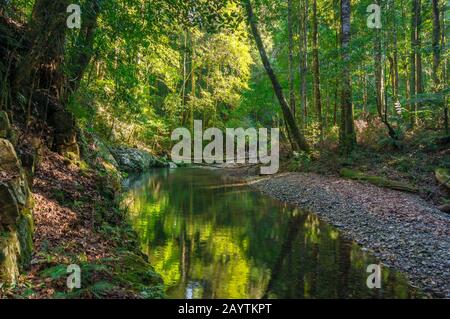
(47, 35)
(395, 76)
(184, 69)
(291, 59)
(83, 55)
(298, 138)
(304, 59)
(419, 76)
(378, 72)
(380, 80)
(316, 71)
(347, 129)
(436, 42)
(413, 63)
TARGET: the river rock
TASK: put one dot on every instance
(135, 160)
(172, 165)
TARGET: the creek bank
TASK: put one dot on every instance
(77, 220)
(404, 231)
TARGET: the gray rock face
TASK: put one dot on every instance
(134, 160)
(16, 221)
(8, 205)
(8, 158)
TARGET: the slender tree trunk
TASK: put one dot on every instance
(444, 69)
(304, 59)
(413, 62)
(347, 130)
(396, 77)
(291, 59)
(380, 81)
(436, 43)
(81, 58)
(379, 70)
(185, 77)
(193, 78)
(316, 72)
(298, 138)
(336, 93)
(336, 16)
(365, 93)
(419, 76)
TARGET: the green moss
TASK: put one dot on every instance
(9, 247)
(443, 176)
(135, 271)
(377, 181)
(25, 233)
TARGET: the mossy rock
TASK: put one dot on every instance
(25, 227)
(443, 176)
(8, 158)
(9, 207)
(111, 177)
(135, 271)
(9, 251)
(377, 180)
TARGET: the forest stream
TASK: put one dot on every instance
(211, 236)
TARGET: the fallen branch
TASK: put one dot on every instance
(443, 177)
(377, 181)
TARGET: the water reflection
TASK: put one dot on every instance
(212, 237)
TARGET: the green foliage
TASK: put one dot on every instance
(55, 272)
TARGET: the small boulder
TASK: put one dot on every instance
(9, 207)
(132, 159)
(8, 158)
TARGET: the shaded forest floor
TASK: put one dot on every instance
(79, 222)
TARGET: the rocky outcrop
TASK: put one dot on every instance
(107, 165)
(132, 160)
(16, 222)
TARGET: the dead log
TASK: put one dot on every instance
(378, 181)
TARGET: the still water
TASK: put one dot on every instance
(210, 236)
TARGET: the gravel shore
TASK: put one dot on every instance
(405, 232)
